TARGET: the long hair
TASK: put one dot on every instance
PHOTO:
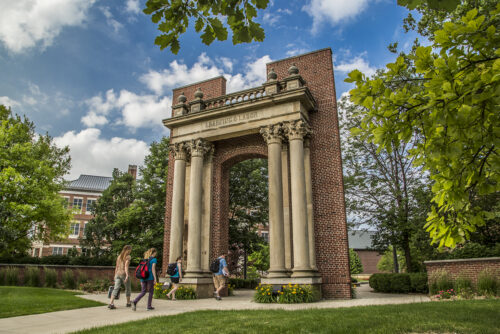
(125, 251)
(149, 253)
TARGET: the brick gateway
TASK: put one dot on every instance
(292, 121)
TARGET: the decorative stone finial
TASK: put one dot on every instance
(293, 70)
(182, 98)
(272, 75)
(198, 94)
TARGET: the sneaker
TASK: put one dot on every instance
(128, 305)
(111, 306)
(218, 298)
(134, 306)
(151, 308)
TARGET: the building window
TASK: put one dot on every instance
(84, 228)
(57, 250)
(90, 205)
(74, 230)
(265, 235)
(66, 202)
(85, 252)
(77, 203)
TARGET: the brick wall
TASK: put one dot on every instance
(93, 272)
(468, 267)
(211, 88)
(369, 260)
(332, 255)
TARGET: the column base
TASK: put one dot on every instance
(203, 286)
(292, 280)
(278, 273)
(195, 273)
(304, 272)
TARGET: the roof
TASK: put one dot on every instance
(360, 239)
(90, 183)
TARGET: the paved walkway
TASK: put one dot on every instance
(73, 320)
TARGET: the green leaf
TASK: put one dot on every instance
(199, 24)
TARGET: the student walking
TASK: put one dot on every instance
(148, 284)
(176, 278)
(220, 275)
(121, 276)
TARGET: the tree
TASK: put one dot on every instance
(31, 176)
(381, 184)
(173, 18)
(355, 265)
(248, 205)
(445, 99)
(260, 259)
(132, 212)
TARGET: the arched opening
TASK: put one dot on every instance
(248, 217)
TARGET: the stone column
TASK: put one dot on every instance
(286, 208)
(273, 135)
(309, 200)
(177, 222)
(296, 131)
(197, 149)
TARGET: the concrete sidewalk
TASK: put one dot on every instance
(73, 320)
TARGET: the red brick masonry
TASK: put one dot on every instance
(469, 267)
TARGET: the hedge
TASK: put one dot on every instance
(399, 283)
(240, 283)
(60, 260)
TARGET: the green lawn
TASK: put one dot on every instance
(15, 301)
(477, 316)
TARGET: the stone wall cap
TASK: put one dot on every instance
(476, 259)
(55, 265)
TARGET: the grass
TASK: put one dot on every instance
(16, 301)
(468, 316)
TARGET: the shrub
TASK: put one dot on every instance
(183, 293)
(264, 294)
(68, 279)
(446, 294)
(55, 259)
(419, 282)
(462, 283)
(12, 276)
(50, 277)
(97, 285)
(82, 277)
(381, 282)
(240, 283)
(440, 280)
(355, 265)
(487, 283)
(32, 276)
(290, 294)
(400, 283)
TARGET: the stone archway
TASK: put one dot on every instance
(292, 120)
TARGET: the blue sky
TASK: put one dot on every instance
(88, 72)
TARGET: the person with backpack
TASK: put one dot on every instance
(121, 276)
(219, 268)
(175, 272)
(146, 271)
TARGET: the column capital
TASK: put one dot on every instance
(180, 150)
(199, 147)
(297, 129)
(273, 134)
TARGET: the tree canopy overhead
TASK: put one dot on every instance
(31, 176)
(174, 16)
(448, 95)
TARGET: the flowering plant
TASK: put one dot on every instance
(445, 294)
(296, 294)
(264, 294)
(160, 292)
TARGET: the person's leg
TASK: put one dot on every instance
(116, 288)
(217, 286)
(139, 296)
(151, 287)
(128, 290)
(172, 292)
(222, 284)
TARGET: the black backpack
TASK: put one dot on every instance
(142, 270)
(172, 268)
(215, 266)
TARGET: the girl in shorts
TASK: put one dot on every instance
(175, 279)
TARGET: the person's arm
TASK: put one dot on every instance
(153, 268)
(225, 271)
(179, 270)
(127, 264)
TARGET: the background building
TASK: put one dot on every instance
(361, 243)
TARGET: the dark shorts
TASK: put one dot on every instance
(174, 280)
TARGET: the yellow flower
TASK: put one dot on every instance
(263, 293)
(293, 292)
(268, 293)
(295, 285)
(257, 288)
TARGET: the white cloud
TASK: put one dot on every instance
(132, 6)
(136, 111)
(357, 63)
(25, 23)
(8, 102)
(270, 18)
(296, 51)
(91, 154)
(333, 11)
(110, 20)
(178, 74)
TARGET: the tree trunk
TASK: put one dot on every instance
(406, 249)
(244, 263)
(395, 259)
